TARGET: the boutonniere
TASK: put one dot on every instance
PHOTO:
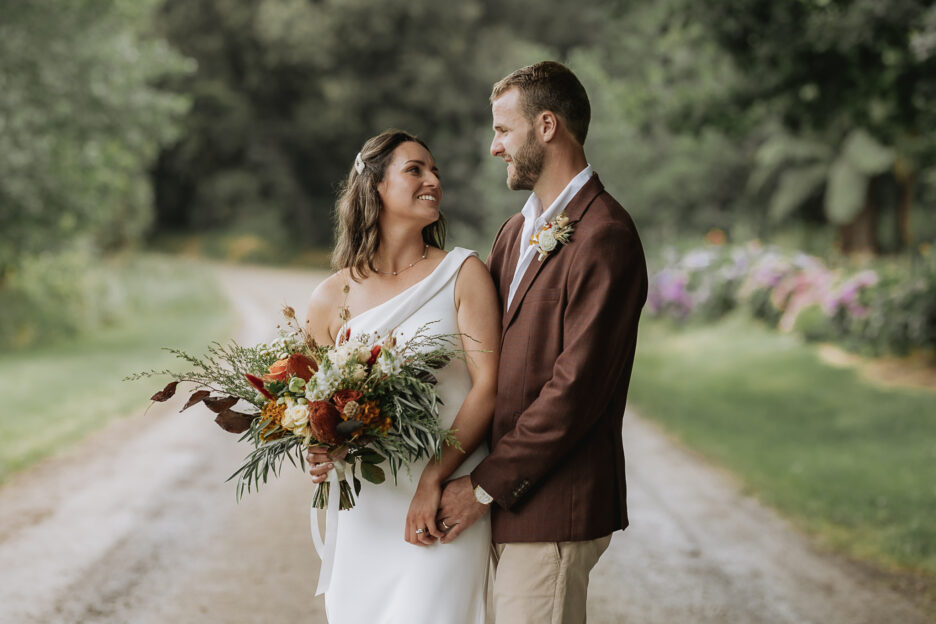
(556, 232)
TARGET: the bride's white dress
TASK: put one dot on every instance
(378, 578)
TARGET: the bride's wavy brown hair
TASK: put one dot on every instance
(358, 207)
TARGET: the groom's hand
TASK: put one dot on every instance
(459, 508)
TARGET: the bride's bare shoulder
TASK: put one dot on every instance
(330, 289)
(322, 315)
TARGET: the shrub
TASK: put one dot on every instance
(887, 308)
(54, 296)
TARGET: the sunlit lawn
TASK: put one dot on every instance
(849, 461)
(56, 395)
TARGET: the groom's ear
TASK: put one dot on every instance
(547, 126)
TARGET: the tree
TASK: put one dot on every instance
(853, 79)
(648, 80)
(288, 90)
(81, 122)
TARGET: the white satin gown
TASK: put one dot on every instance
(378, 578)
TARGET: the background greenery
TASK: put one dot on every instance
(222, 127)
(126, 122)
(56, 394)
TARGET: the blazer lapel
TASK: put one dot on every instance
(575, 210)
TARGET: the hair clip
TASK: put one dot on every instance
(359, 163)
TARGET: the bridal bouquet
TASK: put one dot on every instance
(373, 400)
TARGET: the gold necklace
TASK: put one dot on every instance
(411, 264)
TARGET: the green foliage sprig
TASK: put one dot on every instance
(222, 369)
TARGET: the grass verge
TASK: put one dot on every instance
(849, 462)
(55, 395)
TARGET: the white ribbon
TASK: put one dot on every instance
(326, 550)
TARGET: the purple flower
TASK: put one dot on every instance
(847, 295)
(668, 291)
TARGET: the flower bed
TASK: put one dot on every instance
(888, 308)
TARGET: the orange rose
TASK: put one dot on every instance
(342, 397)
(277, 371)
(301, 366)
(324, 419)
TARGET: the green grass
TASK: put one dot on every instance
(55, 395)
(850, 462)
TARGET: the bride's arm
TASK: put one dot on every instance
(479, 314)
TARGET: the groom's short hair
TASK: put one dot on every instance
(551, 86)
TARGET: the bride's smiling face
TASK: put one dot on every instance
(411, 189)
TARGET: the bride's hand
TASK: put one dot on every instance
(321, 462)
(422, 515)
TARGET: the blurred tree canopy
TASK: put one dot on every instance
(80, 122)
(288, 90)
(656, 69)
(843, 90)
(192, 115)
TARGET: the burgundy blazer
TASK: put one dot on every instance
(556, 468)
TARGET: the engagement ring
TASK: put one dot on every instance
(418, 531)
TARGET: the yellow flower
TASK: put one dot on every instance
(273, 412)
(369, 414)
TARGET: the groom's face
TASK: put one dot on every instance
(515, 141)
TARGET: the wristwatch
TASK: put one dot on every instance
(482, 497)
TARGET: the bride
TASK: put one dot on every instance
(393, 275)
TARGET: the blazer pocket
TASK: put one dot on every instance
(543, 294)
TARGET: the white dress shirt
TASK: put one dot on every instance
(534, 218)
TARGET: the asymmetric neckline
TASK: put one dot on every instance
(448, 256)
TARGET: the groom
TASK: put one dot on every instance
(572, 278)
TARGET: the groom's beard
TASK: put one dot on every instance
(528, 165)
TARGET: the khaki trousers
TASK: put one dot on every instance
(543, 582)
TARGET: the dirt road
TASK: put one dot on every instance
(136, 525)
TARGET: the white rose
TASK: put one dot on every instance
(359, 372)
(547, 241)
(363, 354)
(339, 356)
(296, 419)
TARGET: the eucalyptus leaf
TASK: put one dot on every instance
(373, 473)
(370, 456)
(348, 427)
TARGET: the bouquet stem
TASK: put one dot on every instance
(320, 498)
